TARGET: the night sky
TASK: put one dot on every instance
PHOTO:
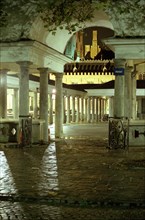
(102, 33)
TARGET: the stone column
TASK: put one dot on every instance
(100, 109)
(127, 92)
(58, 106)
(68, 109)
(93, 109)
(85, 105)
(96, 109)
(50, 109)
(24, 88)
(105, 105)
(44, 101)
(88, 110)
(119, 88)
(82, 109)
(133, 95)
(111, 106)
(73, 108)
(3, 93)
(139, 104)
(64, 109)
(77, 110)
(16, 103)
(35, 106)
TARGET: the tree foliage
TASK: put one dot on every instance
(70, 14)
(55, 13)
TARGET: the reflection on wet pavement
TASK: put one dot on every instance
(7, 184)
(72, 178)
(49, 171)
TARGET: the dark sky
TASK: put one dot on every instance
(102, 33)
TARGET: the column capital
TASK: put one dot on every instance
(58, 75)
(24, 63)
(120, 62)
(4, 70)
(129, 68)
(43, 70)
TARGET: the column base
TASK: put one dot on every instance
(118, 133)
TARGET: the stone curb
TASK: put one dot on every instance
(71, 202)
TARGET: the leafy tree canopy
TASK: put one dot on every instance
(68, 13)
(54, 13)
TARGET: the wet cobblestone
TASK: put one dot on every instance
(30, 211)
(74, 178)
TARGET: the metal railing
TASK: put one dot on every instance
(118, 133)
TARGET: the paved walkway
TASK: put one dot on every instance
(74, 178)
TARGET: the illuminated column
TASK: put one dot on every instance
(50, 106)
(58, 106)
(85, 105)
(68, 109)
(77, 110)
(35, 106)
(44, 100)
(100, 111)
(133, 95)
(16, 103)
(111, 106)
(94, 47)
(64, 109)
(73, 108)
(105, 105)
(93, 109)
(3, 93)
(24, 88)
(119, 88)
(139, 104)
(82, 109)
(96, 104)
(127, 92)
(88, 110)
(102, 107)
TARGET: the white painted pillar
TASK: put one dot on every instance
(139, 105)
(64, 109)
(73, 108)
(58, 106)
(50, 107)
(96, 107)
(82, 109)
(68, 108)
(88, 110)
(105, 105)
(24, 88)
(85, 109)
(133, 95)
(16, 103)
(77, 109)
(111, 106)
(35, 106)
(119, 88)
(3, 93)
(127, 92)
(93, 110)
(100, 109)
(44, 100)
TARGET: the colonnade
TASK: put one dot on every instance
(69, 108)
(84, 109)
(75, 109)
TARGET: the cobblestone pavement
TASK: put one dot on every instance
(74, 178)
